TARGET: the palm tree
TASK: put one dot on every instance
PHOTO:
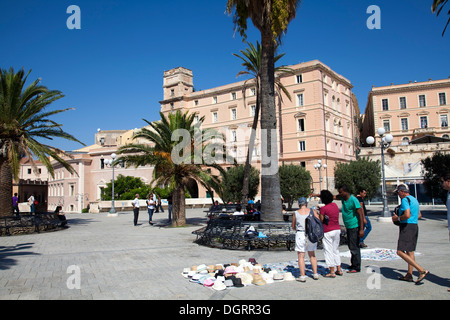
(251, 58)
(434, 7)
(271, 18)
(174, 162)
(24, 121)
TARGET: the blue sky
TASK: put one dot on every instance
(111, 71)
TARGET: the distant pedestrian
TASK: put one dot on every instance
(31, 203)
(170, 206)
(61, 216)
(353, 217)
(15, 203)
(159, 204)
(445, 181)
(302, 243)
(329, 215)
(150, 208)
(367, 225)
(409, 214)
(135, 205)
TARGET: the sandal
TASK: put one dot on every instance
(408, 278)
(339, 273)
(422, 275)
(330, 275)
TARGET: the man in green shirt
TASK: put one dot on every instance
(353, 217)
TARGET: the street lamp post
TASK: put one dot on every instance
(384, 143)
(110, 162)
(319, 166)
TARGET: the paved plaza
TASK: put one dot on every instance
(115, 260)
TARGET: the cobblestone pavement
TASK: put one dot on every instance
(116, 260)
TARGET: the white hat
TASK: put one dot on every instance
(245, 277)
(219, 285)
(288, 276)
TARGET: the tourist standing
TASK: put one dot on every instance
(367, 225)
(15, 203)
(409, 214)
(31, 204)
(169, 206)
(159, 204)
(135, 205)
(302, 243)
(445, 181)
(331, 234)
(150, 208)
(353, 217)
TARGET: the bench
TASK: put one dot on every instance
(45, 220)
(232, 234)
(16, 222)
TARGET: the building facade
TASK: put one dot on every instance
(416, 114)
(318, 123)
(409, 111)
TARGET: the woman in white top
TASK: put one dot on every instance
(302, 243)
(151, 208)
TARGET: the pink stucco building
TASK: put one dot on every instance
(318, 123)
(409, 111)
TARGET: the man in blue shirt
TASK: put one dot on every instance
(409, 214)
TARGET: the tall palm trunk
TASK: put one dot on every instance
(251, 143)
(270, 180)
(6, 188)
(179, 207)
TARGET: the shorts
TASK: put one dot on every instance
(408, 235)
(302, 243)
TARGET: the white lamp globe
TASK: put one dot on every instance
(113, 156)
(389, 138)
(324, 166)
(381, 131)
(370, 140)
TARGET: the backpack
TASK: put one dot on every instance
(314, 228)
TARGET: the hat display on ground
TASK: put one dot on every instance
(245, 273)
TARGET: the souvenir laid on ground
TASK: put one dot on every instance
(377, 254)
(246, 273)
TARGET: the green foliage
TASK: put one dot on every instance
(362, 173)
(434, 168)
(437, 7)
(232, 183)
(274, 15)
(24, 119)
(295, 182)
(125, 188)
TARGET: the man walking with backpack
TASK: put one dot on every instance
(409, 214)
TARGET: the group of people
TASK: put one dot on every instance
(32, 202)
(252, 210)
(358, 226)
(154, 205)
